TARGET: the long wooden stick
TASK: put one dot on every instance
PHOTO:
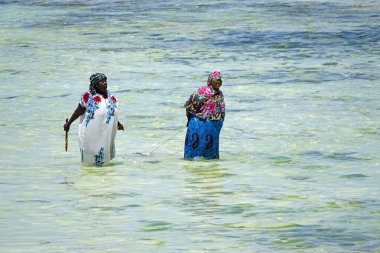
(66, 137)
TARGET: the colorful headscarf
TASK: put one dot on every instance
(216, 75)
(207, 103)
(94, 80)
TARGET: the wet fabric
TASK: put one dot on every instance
(97, 128)
(202, 138)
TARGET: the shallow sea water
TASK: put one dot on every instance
(299, 167)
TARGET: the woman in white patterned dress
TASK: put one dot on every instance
(98, 124)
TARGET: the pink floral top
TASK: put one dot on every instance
(206, 103)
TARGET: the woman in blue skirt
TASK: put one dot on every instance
(205, 111)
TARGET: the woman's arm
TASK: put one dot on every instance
(188, 115)
(78, 112)
(189, 106)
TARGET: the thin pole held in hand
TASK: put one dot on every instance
(66, 137)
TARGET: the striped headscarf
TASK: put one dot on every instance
(94, 80)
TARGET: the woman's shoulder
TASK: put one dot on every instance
(86, 95)
(111, 96)
(203, 89)
(85, 98)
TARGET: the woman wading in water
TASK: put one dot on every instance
(98, 123)
(205, 110)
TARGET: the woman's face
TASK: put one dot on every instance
(216, 84)
(101, 87)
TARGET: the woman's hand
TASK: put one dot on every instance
(66, 127)
(120, 126)
(78, 112)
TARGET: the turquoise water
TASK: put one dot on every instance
(299, 167)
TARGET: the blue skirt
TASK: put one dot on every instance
(202, 138)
